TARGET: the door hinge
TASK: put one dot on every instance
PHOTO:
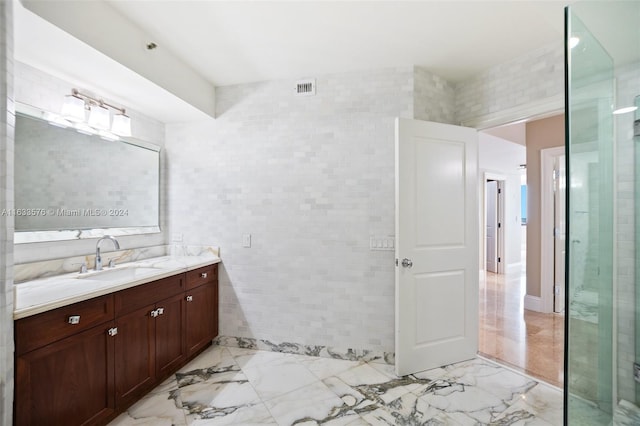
(499, 225)
(557, 289)
(498, 260)
(499, 191)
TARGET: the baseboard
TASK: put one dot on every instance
(513, 267)
(533, 303)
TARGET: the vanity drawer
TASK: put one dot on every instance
(40, 330)
(137, 297)
(201, 276)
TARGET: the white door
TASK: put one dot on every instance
(559, 232)
(436, 245)
(491, 239)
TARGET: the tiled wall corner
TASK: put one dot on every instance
(311, 179)
(7, 120)
(532, 77)
(433, 97)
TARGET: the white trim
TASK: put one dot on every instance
(513, 267)
(533, 303)
(547, 158)
(542, 108)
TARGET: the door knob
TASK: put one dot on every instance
(407, 263)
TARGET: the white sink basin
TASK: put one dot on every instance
(128, 273)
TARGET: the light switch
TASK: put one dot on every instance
(246, 240)
(381, 243)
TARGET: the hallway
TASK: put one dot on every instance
(528, 341)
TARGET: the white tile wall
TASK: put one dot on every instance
(532, 77)
(7, 119)
(37, 88)
(628, 88)
(311, 179)
(434, 97)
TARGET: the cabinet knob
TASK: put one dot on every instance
(160, 311)
(74, 319)
(112, 331)
(203, 275)
(189, 298)
(154, 313)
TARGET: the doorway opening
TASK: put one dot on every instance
(518, 326)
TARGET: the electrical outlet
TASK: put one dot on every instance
(246, 240)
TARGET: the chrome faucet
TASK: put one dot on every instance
(98, 257)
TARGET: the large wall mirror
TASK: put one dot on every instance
(72, 185)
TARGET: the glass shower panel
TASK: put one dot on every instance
(590, 136)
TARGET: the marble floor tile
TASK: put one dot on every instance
(154, 409)
(218, 399)
(326, 367)
(213, 358)
(256, 414)
(543, 401)
(234, 386)
(272, 379)
(312, 404)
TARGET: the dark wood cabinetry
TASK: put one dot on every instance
(201, 300)
(150, 339)
(69, 382)
(84, 363)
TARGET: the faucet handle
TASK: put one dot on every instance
(112, 263)
(83, 267)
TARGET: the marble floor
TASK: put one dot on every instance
(528, 341)
(227, 385)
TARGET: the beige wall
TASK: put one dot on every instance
(541, 134)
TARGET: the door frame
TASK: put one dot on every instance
(548, 157)
(501, 179)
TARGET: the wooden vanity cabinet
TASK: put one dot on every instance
(202, 308)
(69, 381)
(122, 346)
(150, 339)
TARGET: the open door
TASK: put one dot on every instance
(491, 233)
(436, 245)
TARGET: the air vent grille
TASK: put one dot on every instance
(305, 87)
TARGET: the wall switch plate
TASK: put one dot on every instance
(176, 238)
(246, 240)
(382, 243)
(636, 372)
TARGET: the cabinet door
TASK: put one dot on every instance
(202, 315)
(170, 341)
(135, 354)
(69, 382)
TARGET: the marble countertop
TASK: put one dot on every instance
(41, 295)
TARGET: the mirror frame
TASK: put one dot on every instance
(25, 237)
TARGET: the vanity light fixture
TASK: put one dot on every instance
(121, 125)
(99, 117)
(74, 108)
(76, 105)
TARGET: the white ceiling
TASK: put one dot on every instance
(233, 42)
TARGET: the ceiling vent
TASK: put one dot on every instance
(305, 87)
